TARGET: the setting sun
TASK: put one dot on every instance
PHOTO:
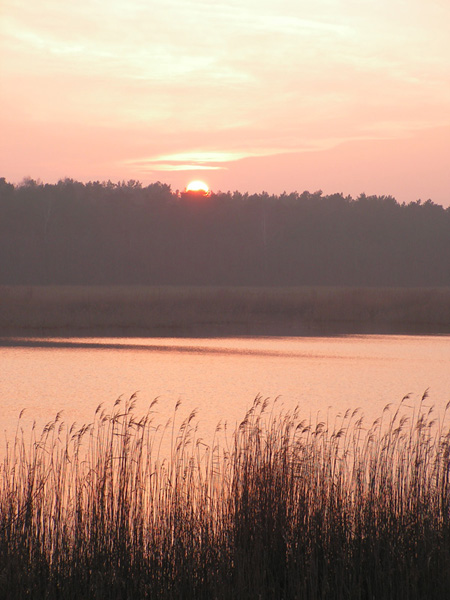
(197, 186)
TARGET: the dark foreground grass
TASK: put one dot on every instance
(283, 509)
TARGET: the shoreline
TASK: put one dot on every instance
(136, 311)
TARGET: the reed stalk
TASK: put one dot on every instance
(284, 508)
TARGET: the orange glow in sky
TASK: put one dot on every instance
(343, 96)
(197, 186)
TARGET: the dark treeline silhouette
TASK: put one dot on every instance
(125, 233)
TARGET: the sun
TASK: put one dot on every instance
(198, 186)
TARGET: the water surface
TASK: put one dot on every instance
(220, 376)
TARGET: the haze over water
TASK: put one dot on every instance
(220, 377)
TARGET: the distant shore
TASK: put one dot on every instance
(58, 311)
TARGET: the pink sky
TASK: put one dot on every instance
(341, 95)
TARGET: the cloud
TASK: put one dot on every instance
(193, 84)
(201, 156)
(154, 167)
(196, 160)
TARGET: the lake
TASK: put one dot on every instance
(219, 376)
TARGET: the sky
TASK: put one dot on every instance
(346, 96)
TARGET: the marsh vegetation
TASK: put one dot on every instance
(280, 508)
(210, 311)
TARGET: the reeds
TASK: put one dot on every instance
(282, 508)
(211, 311)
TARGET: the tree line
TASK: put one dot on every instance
(126, 233)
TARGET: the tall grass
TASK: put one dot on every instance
(280, 508)
(206, 311)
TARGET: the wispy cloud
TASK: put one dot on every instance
(201, 157)
(197, 160)
(194, 84)
(155, 166)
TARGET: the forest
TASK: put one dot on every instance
(104, 233)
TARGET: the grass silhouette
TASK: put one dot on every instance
(280, 508)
